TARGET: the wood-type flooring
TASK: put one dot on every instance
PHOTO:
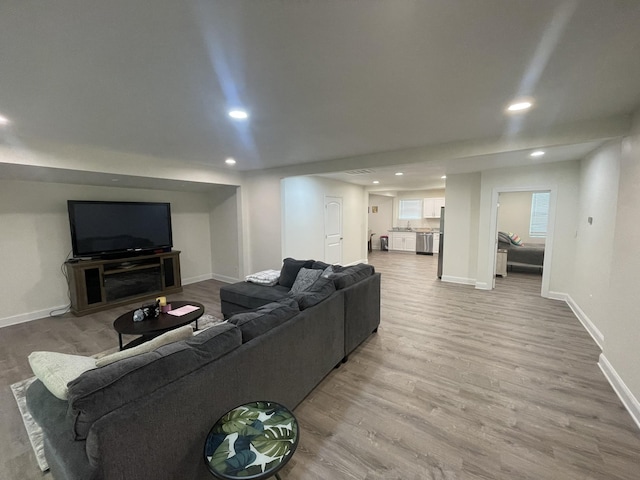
(458, 384)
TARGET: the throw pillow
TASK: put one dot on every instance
(290, 269)
(305, 278)
(321, 289)
(171, 336)
(56, 370)
(515, 239)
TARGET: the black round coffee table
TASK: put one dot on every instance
(252, 441)
(148, 329)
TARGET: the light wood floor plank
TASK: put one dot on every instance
(458, 384)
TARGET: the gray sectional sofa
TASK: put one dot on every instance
(147, 416)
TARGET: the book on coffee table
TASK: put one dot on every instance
(178, 312)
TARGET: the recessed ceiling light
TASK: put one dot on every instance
(399, 173)
(537, 153)
(4, 120)
(238, 114)
(230, 161)
(520, 106)
(376, 181)
(443, 177)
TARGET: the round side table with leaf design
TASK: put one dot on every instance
(251, 442)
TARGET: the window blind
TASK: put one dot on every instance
(539, 214)
(410, 209)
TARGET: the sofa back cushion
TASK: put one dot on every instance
(254, 323)
(290, 269)
(322, 288)
(344, 277)
(98, 392)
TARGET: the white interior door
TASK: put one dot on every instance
(333, 230)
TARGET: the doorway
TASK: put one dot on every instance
(527, 213)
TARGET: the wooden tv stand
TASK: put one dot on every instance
(96, 285)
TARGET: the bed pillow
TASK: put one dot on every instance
(504, 237)
(515, 239)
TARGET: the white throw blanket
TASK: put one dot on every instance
(265, 277)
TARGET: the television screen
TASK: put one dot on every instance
(103, 228)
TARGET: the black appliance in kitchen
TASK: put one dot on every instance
(441, 243)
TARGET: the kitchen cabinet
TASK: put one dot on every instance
(402, 241)
(431, 207)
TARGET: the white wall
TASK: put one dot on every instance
(622, 319)
(35, 240)
(461, 228)
(599, 177)
(382, 221)
(262, 222)
(514, 215)
(303, 218)
(225, 227)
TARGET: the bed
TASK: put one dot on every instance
(521, 255)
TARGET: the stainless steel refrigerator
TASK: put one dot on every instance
(441, 243)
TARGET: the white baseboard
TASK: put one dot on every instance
(356, 262)
(27, 317)
(199, 278)
(626, 397)
(483, 286)
(460, 280)
(224, 278)
(586, 322)
(557, 296)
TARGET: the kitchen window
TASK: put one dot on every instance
(410, 209)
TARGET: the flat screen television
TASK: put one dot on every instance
(112, 229)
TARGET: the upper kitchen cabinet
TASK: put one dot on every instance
(431, 207)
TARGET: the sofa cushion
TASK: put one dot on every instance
(171, 336)
(305, 278)
(344, 277)
(290, 269)
(255, 323)
(56, 370)
(251, 295)
(98, 392)
(322, 288)
(318, 265)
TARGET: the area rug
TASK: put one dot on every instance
(34, 431)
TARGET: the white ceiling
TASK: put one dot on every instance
(322, 80)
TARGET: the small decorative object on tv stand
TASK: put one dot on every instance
(96, 285)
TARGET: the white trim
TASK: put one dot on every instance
(626, 397)
(362, 260)
(483, 286)
(28, 317)
(557, 296)
(586, 322)
(222, 278)
(199, 278)
(460, 280)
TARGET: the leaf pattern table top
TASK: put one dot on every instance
(252, 441)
